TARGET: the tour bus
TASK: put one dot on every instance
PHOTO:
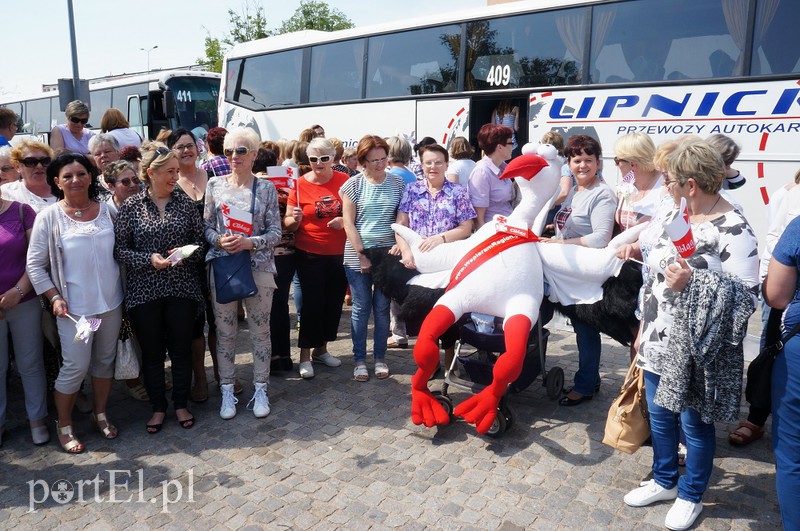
(604, 68)
(150, 101)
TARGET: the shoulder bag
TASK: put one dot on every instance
(627, 425)
(233, 274)
(126, 366)
(758, 390)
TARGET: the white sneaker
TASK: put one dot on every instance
(682, 515)
(228, 408)
(651, 492)
(260, 401)
(327, 359)
(306, 370)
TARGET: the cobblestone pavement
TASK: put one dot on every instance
(335, 453)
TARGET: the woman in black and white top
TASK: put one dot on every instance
(162, 298)
(725, 257)
(229, 198)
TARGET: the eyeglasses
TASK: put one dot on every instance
(509, 143)
(378, 161)
(184, 147)
(617, 161)
(31, 162)
(76, 120)
(433, 163)
(241, 150)
(322, 160)
(127, 181)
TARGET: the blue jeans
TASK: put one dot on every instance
(700, 445)
(589, 349)
(786, 431)
(366, 298)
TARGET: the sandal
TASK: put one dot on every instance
(152, 429)
(740, 437)
(381, 370)
(360, 373)
(73, 445)
(138, 392)
(186, 423)
(108, 430)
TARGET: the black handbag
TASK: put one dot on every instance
(233, 274)
(758, 391)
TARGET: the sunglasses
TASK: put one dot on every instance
(617, 161)
(322, 160)
(127, 181)
(31, 162)
(241, 150)
(76, 120)
(160, 152)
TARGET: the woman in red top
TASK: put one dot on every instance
(315, 213)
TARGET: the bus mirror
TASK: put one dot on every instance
(169, 104)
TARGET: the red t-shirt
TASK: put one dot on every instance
(320, 203)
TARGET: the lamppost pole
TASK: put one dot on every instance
(147, 51)
(75, 76)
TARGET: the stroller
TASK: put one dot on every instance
(471, 370)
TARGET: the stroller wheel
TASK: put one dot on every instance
(554, 381)
(499, 426)
(445, 401)
(507, 412)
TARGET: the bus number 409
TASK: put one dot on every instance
(499, 76)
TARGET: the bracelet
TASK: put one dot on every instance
(55, 298)
(19, 290)
(444, 240)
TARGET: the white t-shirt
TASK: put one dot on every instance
(126, 137)
(17, 191)
(462, 168)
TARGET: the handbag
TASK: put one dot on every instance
(627, 425)
(126, 365)
(233, 274)
(758, 390)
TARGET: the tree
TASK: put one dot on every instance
(315, 15)
(250, 25)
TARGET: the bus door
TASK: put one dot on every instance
(137, 108)
(480, 113)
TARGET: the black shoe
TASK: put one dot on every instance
(567, 401)
(568, 391)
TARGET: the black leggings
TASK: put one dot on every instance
(161, 326)
(324, 285)
(279, 321)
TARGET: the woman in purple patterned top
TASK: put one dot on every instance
(436, 209)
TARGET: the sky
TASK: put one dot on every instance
(111, 33)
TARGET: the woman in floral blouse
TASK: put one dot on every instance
(228, 199)
(162, 298)
(437, 209)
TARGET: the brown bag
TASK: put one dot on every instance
(627, 425)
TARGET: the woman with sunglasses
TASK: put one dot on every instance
(489, 194)
(369, 207)
(163, 296)
(122, 182)
(230, 202)
(31, 159)
(315, 214)
(71, 262)
(639, 192)
(192, 181)
(73, 136)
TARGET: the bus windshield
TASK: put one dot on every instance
(195, 101)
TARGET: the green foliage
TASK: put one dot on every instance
(251, 24)
(315, 15)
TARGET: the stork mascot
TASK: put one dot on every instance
(499, 271)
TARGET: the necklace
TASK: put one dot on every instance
(78, 212)
(713, 206)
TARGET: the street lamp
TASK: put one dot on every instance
(147, 51)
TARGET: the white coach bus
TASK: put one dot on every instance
(604, 68)
(150, 101)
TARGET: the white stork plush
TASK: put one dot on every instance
(497, 271)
